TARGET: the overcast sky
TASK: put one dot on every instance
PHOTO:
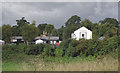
(57, 13)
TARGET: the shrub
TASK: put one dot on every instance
(58, 52)
(48, 50)
(82, 46)
(73, 43)
(111, 44)
(93, 47)
(21, 48)
(65, 43)
(35, 49)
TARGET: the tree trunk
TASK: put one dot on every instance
(27, 43)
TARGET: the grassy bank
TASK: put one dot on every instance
(37, 63)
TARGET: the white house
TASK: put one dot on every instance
(82, 32)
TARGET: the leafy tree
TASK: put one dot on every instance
(41, 28)
(49, 28)
(20, 24)
(95, 30)
(61, 33)
(6, 33)
(55, 32)
(74, 20)
(16, 31)
(110, 21)
(69, 30)
(107, 30)
(29, 32)
(87, 23)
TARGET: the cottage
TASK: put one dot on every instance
(82, 32)
(47, 39)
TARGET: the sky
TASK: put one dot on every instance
(57, 13)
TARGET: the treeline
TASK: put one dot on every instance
(107, 27)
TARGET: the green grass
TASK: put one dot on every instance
(66, 59)
(11, 66)
(22, 62)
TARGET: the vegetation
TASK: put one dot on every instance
(29, 32)
(70, 50)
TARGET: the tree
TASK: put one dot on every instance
(74, 20)
(6, 33)
(60, 33)
(20, 24)
(49, 28)
(107, 30)
(69, 30)
(87, 23)
(16, 31)
(110, 21)
(55, 32)
(41, 28)
(29, 32)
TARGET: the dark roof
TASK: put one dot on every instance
(48, 38)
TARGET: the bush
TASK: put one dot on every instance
(10, 51)
(73, 43)
(111, 44)
(65, 43)
(48, 50)
(82, 46)
(21, 48)
(35, 49)
(93, 47)
(58, 52)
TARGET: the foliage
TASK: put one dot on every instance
(55, 32)
(74, 20)
(69, 30)
(41, 28)
(93, 47)
(49, 28)
(6, 33)
(110, 21)
(107, 30)
(48, 50)
(17, 29)
(60, 33)
(58, 52)
(87, 23)
(65, 43)
(29, 32)
(10, 51)
(35, 49)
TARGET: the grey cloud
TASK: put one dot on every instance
(57, 13)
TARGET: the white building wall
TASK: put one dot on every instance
(78, 33)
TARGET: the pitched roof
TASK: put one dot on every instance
(83, 28)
